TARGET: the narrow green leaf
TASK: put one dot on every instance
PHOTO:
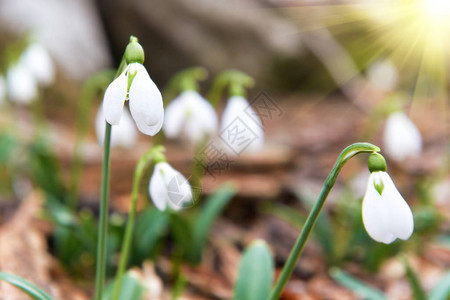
(255, 276)
(27, 287)
(150, 226)
(414, 283)
(203, 223)
(442, 290)
(132, 288)
(358, 287)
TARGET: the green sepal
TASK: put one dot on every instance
(134, 53)
(376, 163)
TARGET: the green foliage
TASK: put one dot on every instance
(150, 227)
(357, 286)
(255, 277)
(442, 290)
(132, 288)
(27, 287)
(213, 206)
(414, 283)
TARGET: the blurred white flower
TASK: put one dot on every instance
(191, 115)
(238, 109)
(385, 213)
(2, 90)
(168, 187)
(21, 84)
(145, 99)
(383, 74)
(38, 61)
(124, 134)
(401, 138)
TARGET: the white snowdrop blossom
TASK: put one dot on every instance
(146, 104)
(240, 119)
(39, 63)
(385, 213)
(168, 187)
(401, 137)
(191, 115)
(21, 84)
(383, 74)
(123, 135)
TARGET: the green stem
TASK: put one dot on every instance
(296, 251)
(103, 223)
(152, 156)
(102, 241)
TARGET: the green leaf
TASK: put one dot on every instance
(211, 209)
(150, 226)
(414, 283)
(132, 288)
(255, 277)
(358, 287)
(181, 231)
(27, 287)
(442, 290)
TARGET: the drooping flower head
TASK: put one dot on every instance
(169, 188)
(241, 120)
(39, 63)
(386, 215)
(190, 115)
(124, 135)
(21, 84)
(135, 85)
(401, 137)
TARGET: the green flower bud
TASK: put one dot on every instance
(376, 163)
(134, 53)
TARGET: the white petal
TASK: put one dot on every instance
(22, 87)
(239, 112)
(401, 137)
(203, 116)
(158, 188)
(145, 101)
(375, 213)
(175, 115)
(114, 98)
(124, 134)
(401, 222)
(168, 186)
(383, 74)
(38, 61)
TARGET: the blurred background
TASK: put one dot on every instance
(332, 73)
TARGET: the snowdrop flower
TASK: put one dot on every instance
(22, 86)
(124, 134)
(383, 74)
(169, 188)
(39, 63)
(401, 137)
(239, 118)
(146, 105)
(191, 115)
(385, 213)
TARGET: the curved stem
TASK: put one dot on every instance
(151, 156)
(296, 251)
(103, 223)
